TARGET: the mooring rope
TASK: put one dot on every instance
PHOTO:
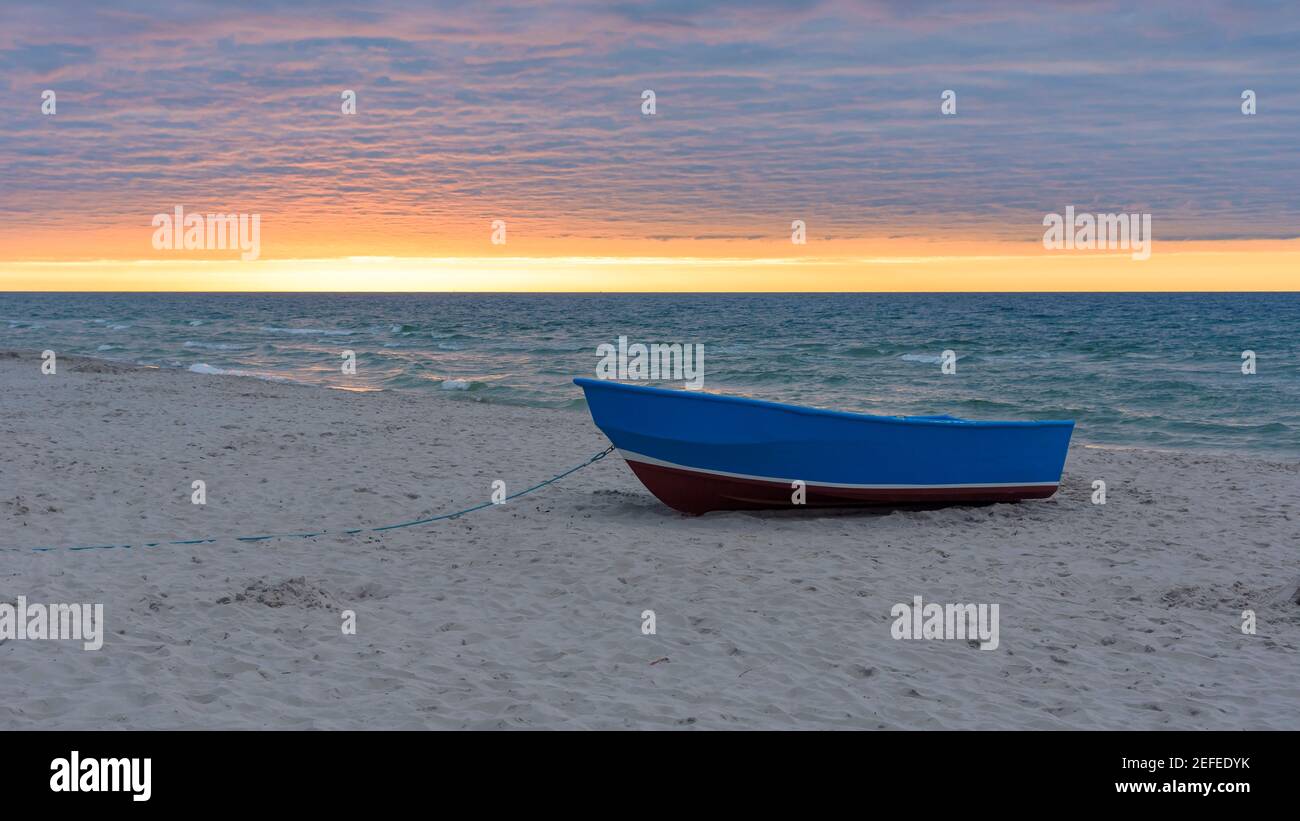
(348, 532)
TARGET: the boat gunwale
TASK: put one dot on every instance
(583, 382)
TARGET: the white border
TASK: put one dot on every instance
(650, 460)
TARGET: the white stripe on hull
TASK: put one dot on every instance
(650, 460)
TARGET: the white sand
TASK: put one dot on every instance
(1119, 616)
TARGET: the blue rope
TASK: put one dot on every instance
(349, 532)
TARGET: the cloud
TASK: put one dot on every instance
(767, 111)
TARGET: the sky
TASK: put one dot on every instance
(765, 113)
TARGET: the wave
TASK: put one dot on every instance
(205, 368)
(315, 331)
(929, 359)
(862, 352)
(214, 346)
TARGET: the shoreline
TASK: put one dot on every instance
(1075, 442)
(529, 615)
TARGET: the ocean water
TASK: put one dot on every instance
(1144, 370)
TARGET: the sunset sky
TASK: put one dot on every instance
(767, 112)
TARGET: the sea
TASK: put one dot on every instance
(1162, 371)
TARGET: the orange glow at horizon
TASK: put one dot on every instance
(885, 266)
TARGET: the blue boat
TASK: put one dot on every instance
(699, 452)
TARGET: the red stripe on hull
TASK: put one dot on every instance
(696, 493)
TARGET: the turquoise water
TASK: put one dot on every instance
(1143, 370)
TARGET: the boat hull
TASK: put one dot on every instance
(702, 452)
(696, 492)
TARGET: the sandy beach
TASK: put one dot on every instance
(1126, 615)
